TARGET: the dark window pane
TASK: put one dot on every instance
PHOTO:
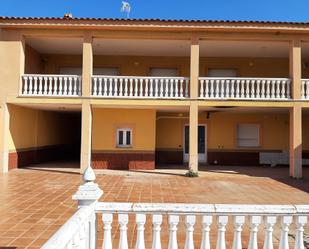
(187, 139)
(201, 139)
(120, 138)
(128, 138)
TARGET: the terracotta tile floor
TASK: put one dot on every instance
(36, 202)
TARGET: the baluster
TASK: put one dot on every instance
(247, 94)
(254, 228)
(207, 94)
(30, 86)
(92, 230)
(157, 87)
(283, 83)
(105, 87)
(227, 89)
(95, 87)
(288, 89)
(123, 239)
(161, 88)
(126, 87)
(107, 240)
(302, 89)
(307, 89)
(267, 89)
(190, 221)
(268, 241)
(70, 86)
(76, 241)
(79, 83)
(222, 221)
(206, 221)
(166, 87)
(131, 88)
(40, 86)
(136, 87)
(172, 94)
(99, 87)
(82, 236)
(237, 88)
(115, 93)
(60, 86)
(187, 88)
(238, 223)
(35, 88)
(201, 88)
(55, 86)
(181, 89)
(278, 89)
(299, 236)
(284, 239)
(242, 93)
(120, 87)
(273, 89)
(176, 87)
(141, 93)
(74, 86)
(212, 90)
(263, 93)
(233, 89)
(156, 223)
(110, 87)
(140, 222)
(217, 90)
(222, 88)
(252, 88)
(146, 87)
(151, 88)
(173, 221)
(258, 95)
(50, 83)
(45, 85)
(25, 88)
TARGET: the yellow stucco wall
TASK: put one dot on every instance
(221, 130)
(106, 121)
(30, 128)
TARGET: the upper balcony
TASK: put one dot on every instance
(160, 69)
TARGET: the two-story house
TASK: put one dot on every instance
(138, 94)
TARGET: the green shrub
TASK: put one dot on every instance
(191, 173)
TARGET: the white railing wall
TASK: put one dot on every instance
(245, 88)
(50, 85)
(280, 221)
(140, 87)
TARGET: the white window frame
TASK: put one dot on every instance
(125, 131)
(222, 72)
(255, 141)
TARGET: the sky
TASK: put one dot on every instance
(258, 10)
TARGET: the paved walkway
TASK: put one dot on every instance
(36, 202)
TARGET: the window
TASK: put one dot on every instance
(124, 137)
(71, 70)
(227, 72)
(164, 72)
(248, 135)
(112, 71)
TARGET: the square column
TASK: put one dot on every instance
(4, 138)
(87, 65)
(194, 67)
(296, 142)
(295, 68)
(193, 137)
(85, 151)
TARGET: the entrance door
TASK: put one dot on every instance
(202, 135)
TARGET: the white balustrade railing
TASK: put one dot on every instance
(283, 222)
(140, 87)
(245, 88)
(305, 88)
(50, 85)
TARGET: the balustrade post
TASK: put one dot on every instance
(254, 228)
(87, 195)
(299, 237)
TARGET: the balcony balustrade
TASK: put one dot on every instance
(50, 85)
(140, 87)
(305, 89)
(272, 221)
(245, 88)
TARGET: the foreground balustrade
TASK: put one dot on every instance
(50, 85)
(305, 89)
(270, 221)
(245, 88)
(140, 87)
